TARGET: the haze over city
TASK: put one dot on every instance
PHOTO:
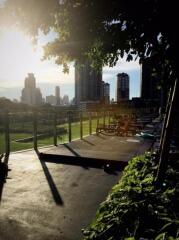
(19, 56)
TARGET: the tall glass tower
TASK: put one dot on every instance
(88, 84)
(122, 87)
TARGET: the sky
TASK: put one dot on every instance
(18, 56)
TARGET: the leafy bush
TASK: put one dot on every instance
(136, 208)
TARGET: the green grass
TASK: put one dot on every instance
(20, 146)
(16, 136)
(17, 146)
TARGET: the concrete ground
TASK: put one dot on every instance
(53, 201)
(102, 147)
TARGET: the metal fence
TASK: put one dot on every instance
(27, 130)
(4, 134)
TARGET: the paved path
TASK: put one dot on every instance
(53, 201)
(103, 147)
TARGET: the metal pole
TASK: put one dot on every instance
(81, 125)
(55, 129)
(109, 117)
(104, 118)
(35, 131)
(90, 124)
(7, 135)
(69, 126)
(97, 119)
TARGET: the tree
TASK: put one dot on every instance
(103, 31)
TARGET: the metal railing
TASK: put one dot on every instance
(4, 134)
(27, 130)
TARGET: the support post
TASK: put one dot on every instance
(69, 126)
(97, 119)
(109, 117)
(35, 131)
(55, 129)
(90, 124)
(104, 118)
(7, 136)
(81, 125)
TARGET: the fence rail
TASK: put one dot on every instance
(27, 130)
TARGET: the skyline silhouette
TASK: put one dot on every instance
(19, 56)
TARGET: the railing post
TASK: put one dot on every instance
(7, 136)
(109, 117)
(104, 118)
(69, 126)
(97, 118)
(35, 131)
(81, 125)
(90, 124)
(55, 130)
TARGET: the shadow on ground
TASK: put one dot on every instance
(109, 166)
(55, 193)
(3, 171)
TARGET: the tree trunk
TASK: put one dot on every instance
(165, 147)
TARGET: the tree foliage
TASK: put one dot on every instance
(102, 30)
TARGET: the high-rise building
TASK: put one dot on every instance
(57, 95)
(66, 100)
(122, 87)
(51, 99)
(54, 99)
(38, 97)
(105, 92)
(88, 84)
(30, 94)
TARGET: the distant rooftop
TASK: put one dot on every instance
(122, 74)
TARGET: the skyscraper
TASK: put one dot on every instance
(66, 100)
(57, 95)
(51, 99)
(105, 92)
(54, 99)
(88, 84)
(122, 87)
(30, 94)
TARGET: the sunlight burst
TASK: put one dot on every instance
(18, 54)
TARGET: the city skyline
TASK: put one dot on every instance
(18, 58)
(32, 95)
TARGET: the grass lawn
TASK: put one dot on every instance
(17, 146)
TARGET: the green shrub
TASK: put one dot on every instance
(136, 209)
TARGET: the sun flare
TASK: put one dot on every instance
(17, 53)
